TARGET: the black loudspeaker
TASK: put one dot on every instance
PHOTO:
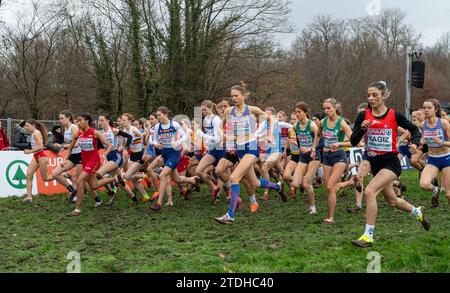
(418, 74)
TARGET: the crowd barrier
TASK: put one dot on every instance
(14, 164)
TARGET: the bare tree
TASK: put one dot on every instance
(28, 53)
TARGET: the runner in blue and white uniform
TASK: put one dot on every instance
(243, 123)
(169, 136)
(212, 136)
(436, 133)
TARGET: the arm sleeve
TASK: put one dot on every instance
(181, 133)
(358, 133)
(127, 136)
(155, 135)
(406, 124)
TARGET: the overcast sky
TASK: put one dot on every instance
(431, 17)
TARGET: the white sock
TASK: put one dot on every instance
(253, 199)
(312, 209)
(369, 231)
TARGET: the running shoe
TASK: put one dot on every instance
(156, 207)
(363, 242)
(98, 204)
(254, 207)
(225, 220)
(155, 196)
(354, 210)
(426, 224)
(75, 213)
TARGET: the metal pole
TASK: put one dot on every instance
(409, 56)
(9, 130)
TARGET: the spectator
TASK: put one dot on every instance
(21, 139)
(56, 148)
(4, 142)
(58, 137)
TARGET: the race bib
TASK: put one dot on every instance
(380, 140)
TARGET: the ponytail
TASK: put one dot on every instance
(67, 114)
(41, 128)
(108, 118)
(88, 118)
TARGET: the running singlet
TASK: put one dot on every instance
(111, 138)
(244, 126)
(88, 145)
(210, 131)
(136, 141)
(305, 137)
(381, 134)
(68, 140)
(332, 135)
(430, 133)
(38, 154)
(167, 136)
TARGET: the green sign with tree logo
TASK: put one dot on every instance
(19, 179)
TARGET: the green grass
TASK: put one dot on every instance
(280, 238)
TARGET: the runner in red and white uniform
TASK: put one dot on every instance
(379, 123)
(90, 160)
(40, 160)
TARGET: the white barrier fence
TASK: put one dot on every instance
(13, 170)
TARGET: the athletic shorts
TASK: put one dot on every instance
(404, 150)
(184, 164)
(137, 157)
(332, 158)
(231, 157)
(158, 152)
(91, 166)
(295, 158)
(151, 151)
(171, 158)
(39, 155)
(388, 161)
(75, 159)
(250, 148)
(441, 162)
(306, 158)
(217, 154)
(115, 157)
